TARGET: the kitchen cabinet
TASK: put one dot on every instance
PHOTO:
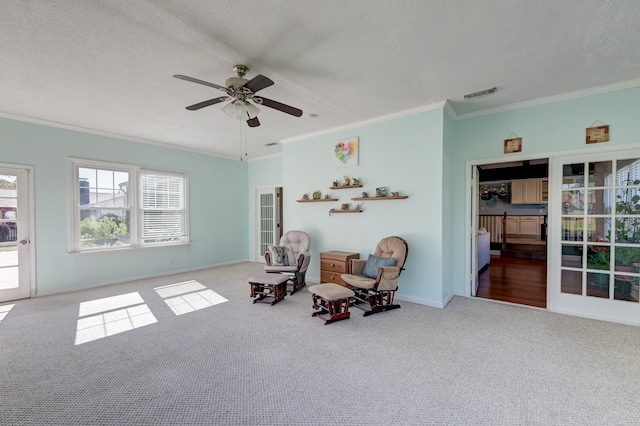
(530, 191)
(524, 226)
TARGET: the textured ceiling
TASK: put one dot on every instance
(107, 66)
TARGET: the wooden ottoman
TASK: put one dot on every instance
(333, 301)
(268, 288)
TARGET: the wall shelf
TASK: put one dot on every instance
(332, 211)
(345, 187)
(317, 201)
(398, 197)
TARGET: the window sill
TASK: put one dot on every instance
(126, 249)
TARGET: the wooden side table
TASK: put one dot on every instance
(335, 263)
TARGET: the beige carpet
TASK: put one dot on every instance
(202, 353)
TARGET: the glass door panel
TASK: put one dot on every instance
(571, 282)
(596, 249)
(266, 221)
(14, 228)
(8, 232)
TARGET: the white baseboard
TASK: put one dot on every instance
(140, 277)
(421, 301)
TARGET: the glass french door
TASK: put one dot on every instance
(595, 235)
(15, 253)
(267, 221)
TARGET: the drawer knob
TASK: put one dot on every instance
(333, 265)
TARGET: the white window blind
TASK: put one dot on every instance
(627, 174)
(162, 207)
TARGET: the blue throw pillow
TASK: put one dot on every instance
(375, 262)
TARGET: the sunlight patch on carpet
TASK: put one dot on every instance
(4, 311)
(112, 315)
(188, 296)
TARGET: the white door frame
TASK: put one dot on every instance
(26, 251)
(471, 214)
(473, 233)
(257, 191)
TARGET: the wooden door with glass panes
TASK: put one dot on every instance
(595, 235)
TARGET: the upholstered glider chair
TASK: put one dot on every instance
(375, 280)
(291, 257)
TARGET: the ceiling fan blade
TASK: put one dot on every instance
(207, 103)
(195, 80)
(279, 106)
(258, 82)
(253, 122)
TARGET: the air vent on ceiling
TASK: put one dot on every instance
(271, 144)
(481, 93)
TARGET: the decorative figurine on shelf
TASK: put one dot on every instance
(345, 206)
(326, 196)
(335, 183)
(365, 195)
(346, 180)
(317, 194)
(381, 192)
(356, 181)
(395, 194)
(356, 207)
(305, 196)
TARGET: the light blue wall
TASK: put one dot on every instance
(433, 174)
(218, 206)
(423, 155)
(403, 154)
(546, 128)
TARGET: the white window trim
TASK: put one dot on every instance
(134, 207)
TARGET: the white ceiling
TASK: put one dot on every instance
(107, 66)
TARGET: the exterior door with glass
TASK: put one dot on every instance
(15, 243)
(595, 236)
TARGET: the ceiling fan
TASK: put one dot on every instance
(241, 91)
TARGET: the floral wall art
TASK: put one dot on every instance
(346, 152)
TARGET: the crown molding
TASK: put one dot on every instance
(449, 108)
(382, 118)
(629, 84)
(97, 132)
(265, 157)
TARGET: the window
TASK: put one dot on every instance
(120, 206)
(162, 212)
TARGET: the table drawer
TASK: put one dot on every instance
(331, 277)
(333, 265)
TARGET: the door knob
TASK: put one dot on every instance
(23, 242)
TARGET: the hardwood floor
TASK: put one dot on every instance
(522, 281)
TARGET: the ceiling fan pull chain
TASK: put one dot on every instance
(246, 154)
(241, 137)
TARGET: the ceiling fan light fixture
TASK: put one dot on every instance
(252, 110)
(241, 110)
(241, 90)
